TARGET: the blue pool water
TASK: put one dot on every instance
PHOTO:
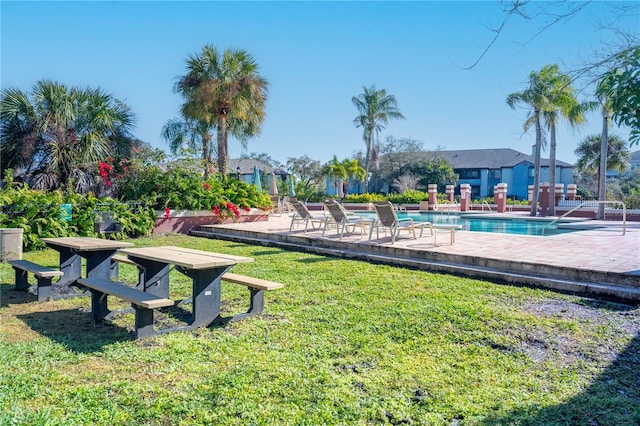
(477, 223)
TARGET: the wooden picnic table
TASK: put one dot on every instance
(203, 267)
(96, 251)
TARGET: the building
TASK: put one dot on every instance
(242, 169)
(484, 168)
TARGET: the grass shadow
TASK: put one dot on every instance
(266, 252)
(75, 329)
(612, 398)
(8, 295)
(315, 259)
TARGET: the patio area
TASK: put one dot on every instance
(599, 262)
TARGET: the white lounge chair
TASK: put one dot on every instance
(303, 215)
(339, 217)
(388, 220)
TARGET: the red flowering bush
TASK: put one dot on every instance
(104, 169)
(179, 186)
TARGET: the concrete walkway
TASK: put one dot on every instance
(598, 262)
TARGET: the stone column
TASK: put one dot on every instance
(433, 196)
(500, 197)
(559, 192)
(544, 198)
(572, 190)
(465, 197)
(450, 191)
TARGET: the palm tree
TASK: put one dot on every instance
(562, 103)
(376, 108)
(353, 169)
(589, 157)
(189, 135)
(336, 172)
(225, 92)
(540, 97)
(56, 135)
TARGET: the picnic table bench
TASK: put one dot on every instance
(206, 269)
(43, 274)
(143, 303)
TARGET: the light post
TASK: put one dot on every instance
(238, 172)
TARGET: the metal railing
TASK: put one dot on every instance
(448, 205)
(484, 203)
(590, 203)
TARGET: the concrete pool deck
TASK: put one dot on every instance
(597, 262)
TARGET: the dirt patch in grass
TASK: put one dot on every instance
(608, 321)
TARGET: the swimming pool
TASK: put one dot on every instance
(479, 222)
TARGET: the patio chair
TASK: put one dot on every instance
(277, 204)
(388, 220)
(303, 214)
(339, 217)
(287, 204)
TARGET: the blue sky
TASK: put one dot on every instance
(316, 56)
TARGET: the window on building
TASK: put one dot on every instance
(469, 173)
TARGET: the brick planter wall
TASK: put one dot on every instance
(183, 221)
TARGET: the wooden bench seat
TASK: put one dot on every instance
(143, 303)
(251, 282)
(43, 274)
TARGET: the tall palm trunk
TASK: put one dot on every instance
(366, 161)
(536, 171)
(602, 178)
(552, 170)
(222, 135)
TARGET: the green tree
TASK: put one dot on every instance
(336, 172)
(589, 154)
(561, 103)
(375, 108)
(353, 169)
(190, 136)
(263, 157)
(538, 97)
(621, 86)
(308, 174)
(223, 91)
(57, 135)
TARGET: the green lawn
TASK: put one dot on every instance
(345, 342)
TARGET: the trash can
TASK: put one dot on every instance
(10, 243)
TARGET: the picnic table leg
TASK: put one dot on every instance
(99, 264)
(99, 309)
(44, 288)
(70, 265)
(206, 294)
(144, 322)
(156, 276)
(22, 284)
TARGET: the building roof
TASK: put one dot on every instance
(246, 166)
(491, 158)
(635, 156)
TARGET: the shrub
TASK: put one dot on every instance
(408, 197)
(40, 214)
(182, 188)
(364, 198)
